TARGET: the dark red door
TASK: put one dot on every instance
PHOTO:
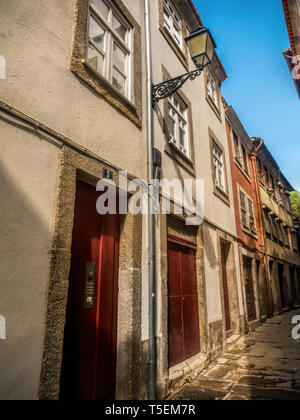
(89, 357)
(224, 255)
(184, 336)
(250, 299)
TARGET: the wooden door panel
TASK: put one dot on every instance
(176, 347)
(191, 326)
(225, 288)
(174, 270)
(88, 368)
(250, 299)
(188, 269)
(184, 335)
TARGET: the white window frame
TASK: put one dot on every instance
(219, 168)
(212, 87)
(111, 37)
(178, 113)
(170, 23)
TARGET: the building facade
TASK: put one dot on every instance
(189, 131)
(249, 227)
(292, 54)
(281, 247)
(70, 117)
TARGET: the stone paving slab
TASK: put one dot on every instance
(264, 365)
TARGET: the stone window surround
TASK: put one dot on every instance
(171, 150)
(73, 166)
(216, 109)
(182, 54)
(130, 109)
(224, 196)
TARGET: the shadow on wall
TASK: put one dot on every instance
(25, 241)
(210, 249)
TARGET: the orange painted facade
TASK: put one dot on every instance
(251, 242)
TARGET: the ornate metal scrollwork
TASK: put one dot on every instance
(167, 88)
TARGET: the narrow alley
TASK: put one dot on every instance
(263, 365)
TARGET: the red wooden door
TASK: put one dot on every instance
(224, 254)
(250, 300)
(184, 335)
(89, 358)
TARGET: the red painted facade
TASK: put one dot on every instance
(247, 182)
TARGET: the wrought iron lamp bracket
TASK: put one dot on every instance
(167, 88)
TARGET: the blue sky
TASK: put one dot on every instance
(250, 37)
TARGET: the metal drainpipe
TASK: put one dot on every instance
(151, 220)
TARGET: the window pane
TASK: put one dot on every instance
(171, 126)
(95, 59)
(102, 8)
(97, 33)
(119, 81)
(119, 57)
(119, 28)
(182, 138)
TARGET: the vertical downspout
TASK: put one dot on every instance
(151, 220)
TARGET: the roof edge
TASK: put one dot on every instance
(201, 23)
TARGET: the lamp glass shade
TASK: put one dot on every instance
(201, 46)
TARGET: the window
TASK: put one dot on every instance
(280, 233)
(267, 224)
(251, 216)
(102, 54)
(243, 209)
(219, 170)
(259, 170)
(274, 229)
(212, 90)
(294, 241)
(247, 212)
(287, 237)
(236, 146)
(172, 22)
(272, 185)
(109, 45)
(266, 176)
(245, 159)
(178, 125)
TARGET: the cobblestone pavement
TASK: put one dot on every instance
(263, 365)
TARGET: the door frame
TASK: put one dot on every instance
(73, 166)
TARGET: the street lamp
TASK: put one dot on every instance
(201, 46)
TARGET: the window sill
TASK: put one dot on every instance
(182, 55)
(249, 232)
(110, 86)
(175, 153)
(222, 195)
